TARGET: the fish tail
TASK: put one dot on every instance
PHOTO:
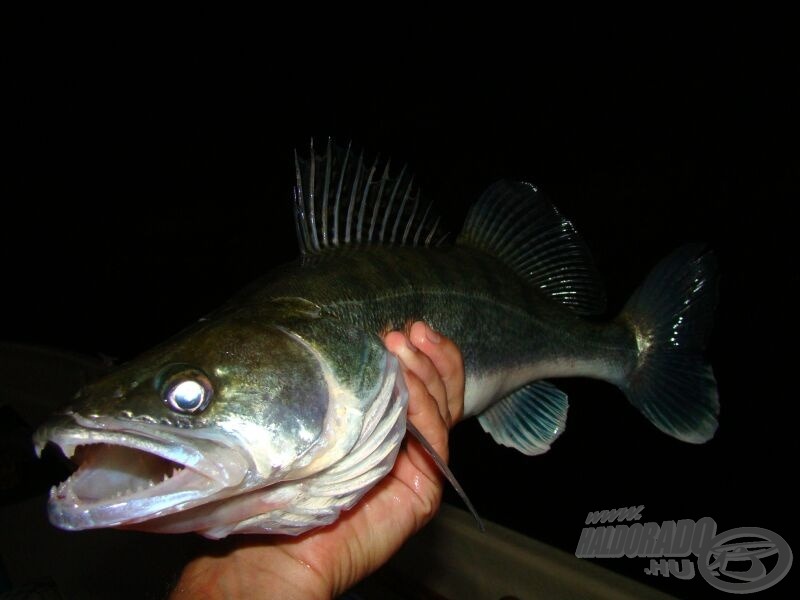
(671, 316)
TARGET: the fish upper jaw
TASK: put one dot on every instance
(129, 472)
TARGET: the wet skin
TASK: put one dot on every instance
(325, 562)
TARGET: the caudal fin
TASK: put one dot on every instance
(671, 314)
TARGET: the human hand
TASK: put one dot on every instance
(325, 562)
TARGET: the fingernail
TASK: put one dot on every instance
(432, 336)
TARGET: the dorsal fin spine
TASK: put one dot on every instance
(363, 204)
(353, 193)
(311, 213)
(297, 227)
(402, 208)
(325, 194)
(391, 203)
(433, 231)
(411, 219)
(338, 196)
(321, 191)
(422, 224)
(301, 228)
(384, 179)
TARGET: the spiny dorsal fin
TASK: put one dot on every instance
(342, 200)
(529, 420)
(512, 221)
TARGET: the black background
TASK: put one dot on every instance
(147, 173)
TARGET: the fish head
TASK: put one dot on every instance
(177, 437)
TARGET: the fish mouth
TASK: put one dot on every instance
(129, 472)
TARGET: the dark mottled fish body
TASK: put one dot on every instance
(283, 408)
(501, 323)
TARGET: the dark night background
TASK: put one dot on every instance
(146, 180)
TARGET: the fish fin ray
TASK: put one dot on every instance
(513, 221)
(671, 315)
(445, 470)
(341, 202)
(529, 419)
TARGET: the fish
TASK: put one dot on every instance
(282, 408)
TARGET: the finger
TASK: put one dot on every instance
(421, 366)
(448, 362)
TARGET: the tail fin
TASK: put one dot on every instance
(671, 314)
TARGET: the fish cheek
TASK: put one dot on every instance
(292, 412)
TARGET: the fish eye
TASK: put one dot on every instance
(184, 389)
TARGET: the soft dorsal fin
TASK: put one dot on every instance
(529, 419)
(514, 222)
(341, 200)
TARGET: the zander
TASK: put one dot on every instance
(281, 409)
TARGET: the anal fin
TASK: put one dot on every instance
(529, 419)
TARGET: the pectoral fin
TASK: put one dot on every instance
(445, 470)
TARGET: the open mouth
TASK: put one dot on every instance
(125, 475)
(111, 472)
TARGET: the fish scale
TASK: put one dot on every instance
(457, 290)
